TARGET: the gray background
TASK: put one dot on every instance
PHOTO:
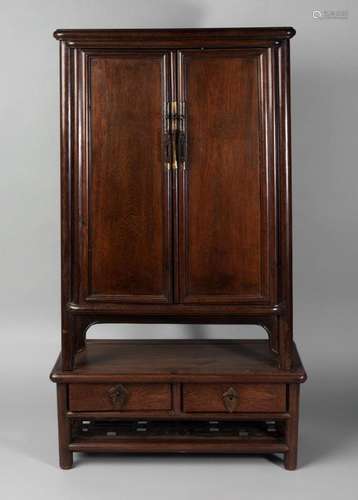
(324, 130)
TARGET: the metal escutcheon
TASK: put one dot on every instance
(231, 399)
(118, 395)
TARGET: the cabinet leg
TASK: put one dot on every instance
(285, 343)
(80, 326)
(64, 428)
(68, 347)
(271, 326)
(66, 459)
(290, 459)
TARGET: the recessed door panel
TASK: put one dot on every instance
(227, 252)
(127, 215)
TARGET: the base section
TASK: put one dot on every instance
(182, 406)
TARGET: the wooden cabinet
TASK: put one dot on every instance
(175, 171)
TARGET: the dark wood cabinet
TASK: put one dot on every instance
(176, 208)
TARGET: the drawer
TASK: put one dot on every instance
(217, 398)
(119, 397)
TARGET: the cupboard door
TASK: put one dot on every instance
(226, 189)
(126, 208)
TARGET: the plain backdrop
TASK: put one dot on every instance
(325, 178)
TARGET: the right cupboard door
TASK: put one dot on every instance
(227, 242)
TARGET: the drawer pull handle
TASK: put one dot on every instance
(231, 398)
(118, 395)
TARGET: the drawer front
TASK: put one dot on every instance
(230, 398)
(119, 397)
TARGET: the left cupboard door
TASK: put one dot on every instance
(124, 177)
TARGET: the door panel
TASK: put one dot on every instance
(127, 214)
(226, 192)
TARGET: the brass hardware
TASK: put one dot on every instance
(174, 153)
(167, 151)
(181, 146)
(173, 107)
(181, 135)
(173, 130)
(175, 124)
(118, 395)
(181, 115)
(167, 118)
(231, 398)
(173, 116)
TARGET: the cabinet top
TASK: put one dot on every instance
(176, 36)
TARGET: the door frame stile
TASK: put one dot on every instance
(175, 170)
